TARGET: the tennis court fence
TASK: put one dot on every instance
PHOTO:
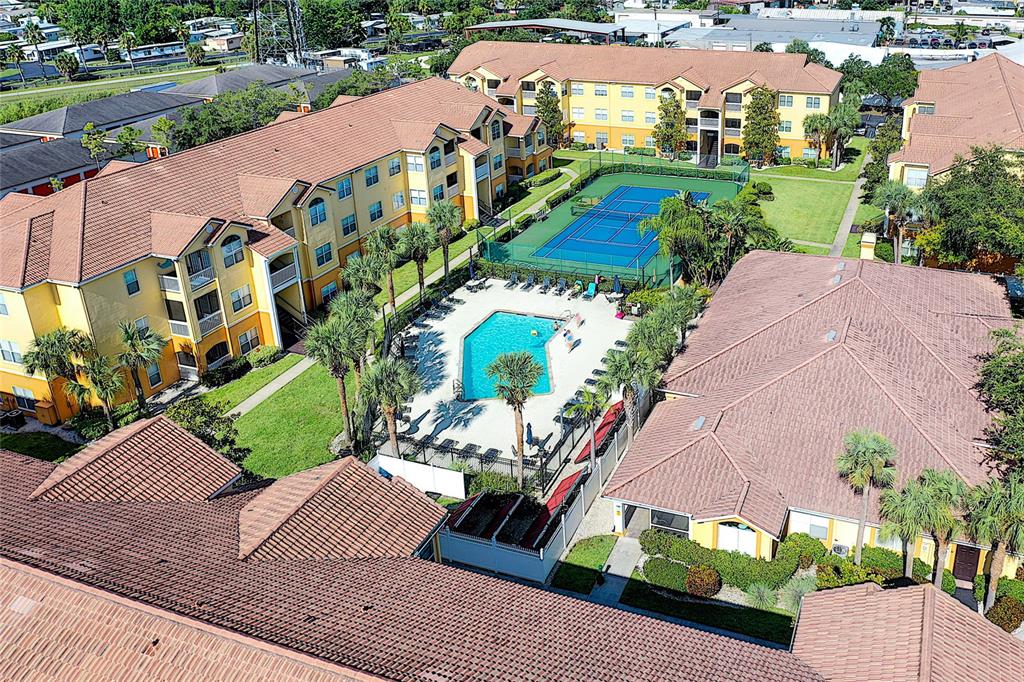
(731, 169)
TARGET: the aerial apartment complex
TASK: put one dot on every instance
(226, 247)
(610, 94)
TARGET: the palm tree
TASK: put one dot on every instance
(354, 311)
(948, 498)
(669, 237)
(53, 354)
(628, 371)
(183, 34)
(590, 406)
(33, 35)
(866, 462)
(416, 242)
(681, 306)
(995, 516)
(142, 348)
(515, 374)
(362, 273)
(897, 200)
(128, 42)
(816, 128)
(382, 246)
(102, 378)
(446, 218)
(733, 218)
(390, 382)
(77, 36)
(653, 335)
(907, 513)
(15, 56)
(959, 33)
(66, 65)
(328, 343)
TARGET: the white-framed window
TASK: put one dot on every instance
(818, 531)
(370, 176)
(242, 297)
(376, 211)
(540, 138)
(916, 177)
(601, 90)
(809, 153)
(142, 324)
(414, 163)
(782, 152)
(814, 103)
(785, 126)
(231, 250)
(131, 282)
(495, 130)
(628, 140)
(3, 305)
(344, 188)
(499, 161)
(627, 116)
(499, 189)
(600, 114)
(650, 117)
(577, 112)
(602, 138)
(649, 142)
(418, 197)
(328, 291)
(10, 351)
(348, 224)
(317, 211)
(394, 167)
(577, 88)
(398, 200)
(650, 93)
(437, 193)
(325, 253)
(785, 100)
(579, 137)
(926, 109)
(626, 91)
(24, 398)
(435, 158)
(529, 109)
(153, 375)
(250, 340)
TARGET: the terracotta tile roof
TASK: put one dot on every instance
(713, 71)
(910, 634)
(339, 510)
(56, 629)
(794, 352)
(260, 194)
(151, 460)
(105, 222)
(171, 233)
(15, 200)
(267, 240)
(400, 618)
(976, 104)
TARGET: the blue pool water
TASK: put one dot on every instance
(503, 333)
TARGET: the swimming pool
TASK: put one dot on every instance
(504, 332)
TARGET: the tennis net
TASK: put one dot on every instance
(623, 216)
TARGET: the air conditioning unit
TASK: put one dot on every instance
(840, 550)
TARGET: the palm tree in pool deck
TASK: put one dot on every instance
(416, 243)
(102, 378)
(907, 513)
(995, 516)
(328, 342)
(590, 407)
(446, 218)
(390, 383)
(866, 462)
(949, 496)
(382, 246)
(628, 371)
(667, 224)
(681, 306)
(516, 375)
(142, 348)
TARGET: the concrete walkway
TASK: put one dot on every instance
(839, 243)
(621, 563)
(274, 386)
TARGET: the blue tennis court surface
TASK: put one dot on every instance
(608, 233)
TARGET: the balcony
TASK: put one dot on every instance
(169, 283)
(491, 92)
(201, 278)
(513, 152)
(279, 279)
(211, 322)
(481, 171)
(180, 328)
(449, 158)
(733, 131)
(529, 94)
(290, 232)
(692, 130)
(529, 149)
(734, 106)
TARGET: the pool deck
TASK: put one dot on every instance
(489, 423)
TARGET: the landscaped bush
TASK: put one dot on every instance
(948, 582)
(763, 190)
(556, 198)
(543, 178)
(92, 424)
(665, 573)
(1007, 613)
(884, 252)
(647, 299)
(703, 581)
(1008, 587)
(760, 596)
(494, 482)
(470, 224)
(795, 589)
(578, 146)
(889, 564)
(229, 371)
(641, 151)
(264, 356)
(839, 574)
(524, 222)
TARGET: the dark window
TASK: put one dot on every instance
(452, 180)
(217, 352)
(207, 304)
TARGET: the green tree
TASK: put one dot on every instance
(128, 144)
(142, 348)
(654, 336)
(515, 377)
(959, 33)
(896, 76)
(331, 24)
(14, 55)
(162, 132)
(948, 495)
(814, 55)
(79, 39)
(195, 54)
(888, 140)
(382, 245)
(764, 47)
(362, 273)
(98, 19)
(843, 121)
(816, 129)
(66, 65)
(627, 372)
(329, 343)
(230, 114)
(667, 225)
(183, 35)
(589, 407)
(446, 219)
(128, 42)
(390, 383)
(397, 25)
(1002, 386)
(550, 113)
(33, 35)
(355, 310)
(887, 31)
(761, 132)
(897, 200)
(866, 462)
(209, 421)
(56, 184)
(94, 141)
(54, 353)
(680, 307)
(995, 516)
(416, 243)
(670, 131)
(102, 379)
(907, 514)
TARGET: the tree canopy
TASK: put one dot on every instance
(230, 114)
(761, 132)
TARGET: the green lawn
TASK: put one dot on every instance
(847, 173)
(405, 274)
(774, 626)
(868, 214)
(535, 194)
(852, 248)
(40, 445)
(584, 563)
(810, 211)
(238, 390)
(290, 431)
(584, 156)
(110, 86)
(807, 248)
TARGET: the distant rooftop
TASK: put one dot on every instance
(592, 27)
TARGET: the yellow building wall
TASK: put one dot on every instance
(706, 535)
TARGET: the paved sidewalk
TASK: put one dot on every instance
(839, 243)
(273, 387)
(621, 563)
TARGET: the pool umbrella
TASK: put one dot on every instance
(529, 433)
(471, 269)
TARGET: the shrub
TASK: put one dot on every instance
(264, 356)
(641, 151)
(760, 596)
(703, 581)
(556, 198)
(524, 222)
(92, 424)
(948, 582)
(655, 543)
(578, 146)
(1007, 613)
(229, 371)
(884, 252)
(646, 299)
(763, 190)
(667, 574)
(842, 573)
(494, 482)
(543, 178)
(794, 590)
(889, 564)
(1008, 587)
(471, 224)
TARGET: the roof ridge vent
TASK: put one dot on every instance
(698, 423)
(831, 336)
(837, 279)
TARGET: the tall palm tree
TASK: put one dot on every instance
(816, 127)
(446, 219)
(681, 306)
(382, 246)
(362, 273)
(866, 462)
(590, 406)
(354, 311)
(33, 35)
(628, 372)
(15, 56)
(669, 238)
(653, 335)
(77, 36)
(53, 354)
(328, 343)
(516, 375)
(948, 498)
(416, 243)
(907, 513)
(142, 348)
(102, 378)
(390, 382)
(128, 42)
(995, 516)
(897, 200)
(843, 122)
(733, 218)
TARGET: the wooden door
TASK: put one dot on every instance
(965, 563)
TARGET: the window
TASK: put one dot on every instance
(438, 193)
(10, 351)
(673, 523)
(394, 167)
(579, 137)
(529, 110)
(452, 180)
(345, 188)
(628, 140)
(250, 340)
(817, 532)
(376, 211)
(649, 142)
(916, 177)
(785, 126)
(241, 298)
(418, 197)
(348, 224)
(692, 96)
(499, 161)
(415, 163)
(602, 138)
(153, 374)
(814, 103)
(927, 109)
(398, 200)
(24, 398)
(809, 153)
(217, 351)
(435, 158)
(131, 282)
(785, 100)
(540, 138)
(601, 114)
(329, 291)
(370, 176)
(529, 87)
(142, 324)
(577, 112)
(649, 93)
(231, 249)
(3, 305)
(601, 90)
(650, 117)
(627, 116)
(782, 152)
(325, 252)
(626, 91)
(499, 189)
(317, 212)
(732, 148)
(495, 130)
(577, 88)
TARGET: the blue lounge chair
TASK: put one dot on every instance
(560, 289)
(530, 281)
(591, 291)
(513, 281)
(546, 285)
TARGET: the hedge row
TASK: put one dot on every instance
(587, 176)
(488, 268)
(878, 565)
(1008, 587)
(1007, 613)
(557, 197)
(700, 581)
(541, 179)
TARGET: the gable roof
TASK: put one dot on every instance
(32, 163)
(794, 352)
(910, 634)
(101, 112)
(238, 79)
